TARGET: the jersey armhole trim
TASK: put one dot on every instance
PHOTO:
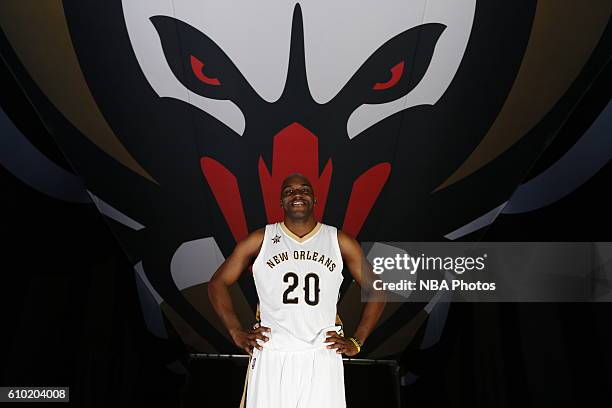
(337, 248)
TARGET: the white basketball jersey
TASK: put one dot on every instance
(298, 282)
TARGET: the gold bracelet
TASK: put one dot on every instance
(356, 342)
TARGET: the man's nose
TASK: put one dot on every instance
(300, 195)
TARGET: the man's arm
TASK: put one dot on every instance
(227, 274)
(361, 271)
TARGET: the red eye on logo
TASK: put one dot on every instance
(197, 66)
(396, 74)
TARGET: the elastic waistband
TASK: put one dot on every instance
(281, 340)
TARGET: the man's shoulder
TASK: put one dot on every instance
(332, 228)
(324, 225)
(258, 234)
(254, 238)
(347, 242)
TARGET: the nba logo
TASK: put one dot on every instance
(253, 363)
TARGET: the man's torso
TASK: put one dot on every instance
(298, 282)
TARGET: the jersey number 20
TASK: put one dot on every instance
(311, 288)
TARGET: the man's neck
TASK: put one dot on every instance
(300, 227)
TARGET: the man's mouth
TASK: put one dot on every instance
(297, 203)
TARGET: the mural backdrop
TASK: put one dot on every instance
(415, 121)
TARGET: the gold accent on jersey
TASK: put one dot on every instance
(295, 237)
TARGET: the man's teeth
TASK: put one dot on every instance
(297, 203)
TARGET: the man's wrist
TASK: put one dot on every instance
(234, 330)
(360, 338)
(357, 343)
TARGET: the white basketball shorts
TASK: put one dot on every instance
(303, 377)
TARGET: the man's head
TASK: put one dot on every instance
(297, 197)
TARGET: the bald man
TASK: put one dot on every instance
(296, 349)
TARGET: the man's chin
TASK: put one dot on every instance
(298, 214)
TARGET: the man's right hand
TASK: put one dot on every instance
(247, 339)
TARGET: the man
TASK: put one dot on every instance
(296, 352)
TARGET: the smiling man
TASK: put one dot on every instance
(296, 350)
